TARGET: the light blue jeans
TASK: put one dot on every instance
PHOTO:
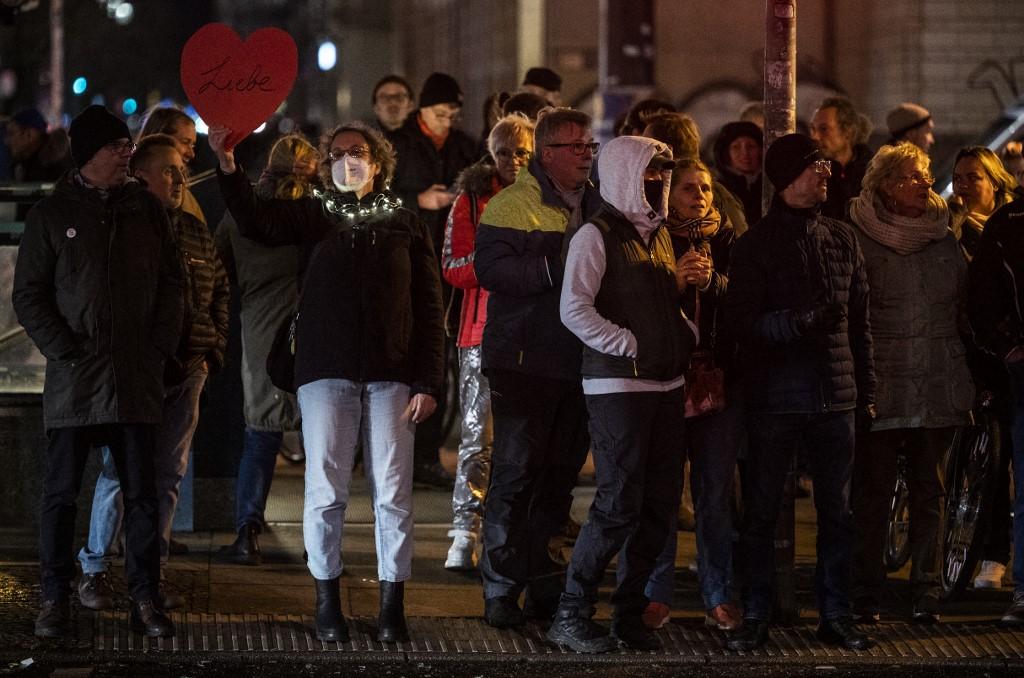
(336, 415)
(173, 444)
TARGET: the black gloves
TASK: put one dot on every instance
(819, 318)
(864, 417)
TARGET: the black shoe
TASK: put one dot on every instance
(1014, 615)
(926, 609)
(542, 597)
(842, 632)
(330, 622)
(502, 612)
(245, 550)
(432, 477)
(177, 548)
(95, 592)
(630, 631)
(149, 619)
(752, 635)
(54, 620)
(169, 600)
(391, 626)
(866, 611)
(579, 633)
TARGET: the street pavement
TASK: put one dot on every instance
(256, 620)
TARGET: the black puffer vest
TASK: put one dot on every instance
(638, 292)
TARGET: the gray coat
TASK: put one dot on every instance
(266, 278)
(915, 299)
(98, 288)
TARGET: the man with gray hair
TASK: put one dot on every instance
(533, 365)
(840, 132)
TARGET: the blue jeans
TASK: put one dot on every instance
(1017, 388)
(712, 443)
(774, 438)
(336, 414)
(170, 459)
(255, 473)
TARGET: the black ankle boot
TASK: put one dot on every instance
(330, 623)
(391, 626)
(246, 548)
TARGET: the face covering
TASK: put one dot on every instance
(654, 191)
(350, 174)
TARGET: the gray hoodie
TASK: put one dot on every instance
(621, 166)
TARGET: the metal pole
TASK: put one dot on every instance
(56, 61)
(779, 120)
(779, 76)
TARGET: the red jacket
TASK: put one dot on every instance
(477, 184)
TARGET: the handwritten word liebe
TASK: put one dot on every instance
(238, 84)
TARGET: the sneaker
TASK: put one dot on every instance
(1015, 614)
(990, 576)
(579, 633)
(724, 617)
(54, 620)
(655, 615)
(95, 591)
(462, 552)
(502, 612)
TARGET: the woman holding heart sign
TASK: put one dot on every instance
(369, 351)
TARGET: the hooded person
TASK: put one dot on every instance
(634, 360)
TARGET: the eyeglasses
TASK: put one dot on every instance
(357, 152)
(504, 154)
(450, 117)
(121, 147)
(392, 98)
(921, 178)
(578, 147)
(822, 166)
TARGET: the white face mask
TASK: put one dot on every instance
(350, 174)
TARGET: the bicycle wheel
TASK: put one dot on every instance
(970, 481)
(897, 539)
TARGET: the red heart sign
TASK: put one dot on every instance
(238, 84)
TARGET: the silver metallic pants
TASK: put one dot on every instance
(474, 468)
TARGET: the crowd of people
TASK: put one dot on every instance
(628, 301)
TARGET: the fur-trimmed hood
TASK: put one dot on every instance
(478, 178)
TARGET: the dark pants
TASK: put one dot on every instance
(774, 438)
(997, 539)
(1017, 385)
(874, 476)
(638, 449)
(132, 448)
(255, 474)
(540, 444)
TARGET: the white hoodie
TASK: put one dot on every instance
(621, 166)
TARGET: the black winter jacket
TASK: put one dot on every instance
(791, 261)
(845, 182)
(98, 288)
(421, 165)
(996, 282)
(207, 297)
(371, 296)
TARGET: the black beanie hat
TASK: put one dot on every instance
(788, 157)
(91, 130)
(543, 77)
(440, 88)
(731, 131)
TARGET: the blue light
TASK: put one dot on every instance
(129, 106)
(79, 85)
(327, 55)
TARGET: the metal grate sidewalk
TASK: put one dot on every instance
(682, 640)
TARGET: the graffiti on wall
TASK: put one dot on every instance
(1005, 81)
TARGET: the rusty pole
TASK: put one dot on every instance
(779, 120)
(56, 62)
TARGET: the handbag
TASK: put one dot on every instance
(281, 358)
(705, 381)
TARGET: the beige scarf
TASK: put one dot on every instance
(903, 235)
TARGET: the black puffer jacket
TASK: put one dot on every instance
(996, 276)
(98, 289)
(371, 295)
(791, 261)
(845, 182)
(207, 296)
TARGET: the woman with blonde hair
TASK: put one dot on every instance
(267, 279)
(981, 185)
(917, 276)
